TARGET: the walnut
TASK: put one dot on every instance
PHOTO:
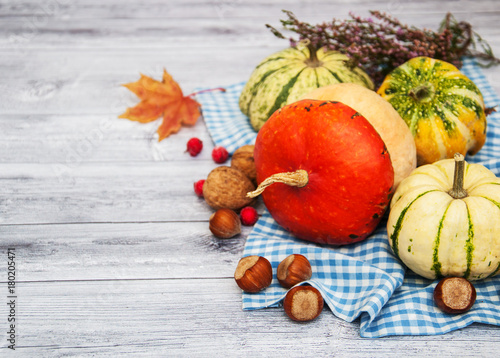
(227, 187)
(242, 159)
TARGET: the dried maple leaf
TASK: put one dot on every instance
(165, 99)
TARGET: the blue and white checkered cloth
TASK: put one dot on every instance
(363, 279)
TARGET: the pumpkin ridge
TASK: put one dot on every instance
(456, 123)
(336, 56)
(255, 88)
(355, 74)
(438, 138)
(281, 98)
(494, 272)
(469, 247)
(364, 79)
(446, 175)
(331, 58)
(497, 204)
(466, 169)
(334, 74)
(464, 98)
(270, 60)
(451, 108)
(461, 85)
(413, 121)
(317, 77)
(449, 124)
(399, 223)
(436, 267)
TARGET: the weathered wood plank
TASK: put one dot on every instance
(59, 32)
(120, 251)
(236, 8)
(102, 192)
(68, 140)
(196, 318)
(82, 82)
(89, 82)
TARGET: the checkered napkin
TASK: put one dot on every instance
(362, 280)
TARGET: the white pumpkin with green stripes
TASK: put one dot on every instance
(287, 75)
(444, 220)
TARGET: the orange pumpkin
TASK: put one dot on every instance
(383, 117)
(325, 174)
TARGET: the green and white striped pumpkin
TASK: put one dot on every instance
(444, 220)
(287, 75)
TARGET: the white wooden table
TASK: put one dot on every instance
(113, 252)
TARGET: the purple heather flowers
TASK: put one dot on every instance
(381, 43)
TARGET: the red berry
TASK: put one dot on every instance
(198, 187)
(220, 154)
(248, 216)
(194, 146)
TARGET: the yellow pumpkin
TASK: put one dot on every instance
(444, 220)
(383, 117)
(443, 108)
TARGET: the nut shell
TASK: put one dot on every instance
(294, 269)
(454, 295)
(303, 303)
(226, 187)
(253, 273)
(225, 223)
(242, 159)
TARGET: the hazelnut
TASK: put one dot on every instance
(227, 187)
(303, 303)
(454, 295)
(293, 270)
(242, 159)
(253, 273)
(225, 223)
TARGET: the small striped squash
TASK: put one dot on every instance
(444, 220)
(287, 75)
(443, 108)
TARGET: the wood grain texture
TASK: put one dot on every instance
(103, 192)
(168, 250)
(114, 255)
(176, 318)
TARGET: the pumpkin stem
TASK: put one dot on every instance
(312, 61)
(458, 191)
(422, 93)
(299, 178)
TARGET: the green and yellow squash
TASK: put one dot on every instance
(287, 75)
(444, 220)
(443, 108)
